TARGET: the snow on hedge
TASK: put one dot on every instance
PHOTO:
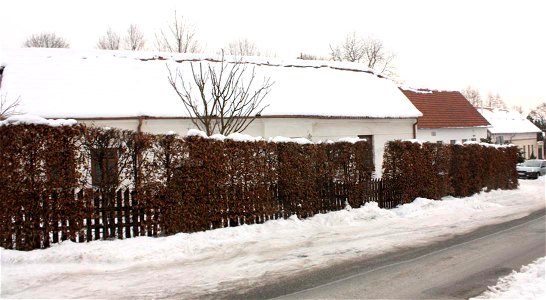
(36, 120)
(239, 137)
(528, 283)
(497, 146)
(61, 83)
(198, 264)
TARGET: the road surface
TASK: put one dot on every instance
(458, 268)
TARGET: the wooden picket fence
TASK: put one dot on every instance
(119, 215)
(107, 216)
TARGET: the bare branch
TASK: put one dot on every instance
(228, 100)
(8, 108)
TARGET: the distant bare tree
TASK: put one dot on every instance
(538, 117)
(231, 102)
(495, 101)
(517, 108)
(134, 40)
(179, 37)
(307, 56)
(242, 47)
(369, 51)
(109, 41)
(46, 40)
(351, 49)
(473, 96)
(8, 108)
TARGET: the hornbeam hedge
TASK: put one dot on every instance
(50, 176)
(432, 170)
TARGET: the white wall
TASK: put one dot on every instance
(526, 141)
(447, 134)
(317, 129)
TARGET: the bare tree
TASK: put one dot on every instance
(8, 108)
(179, 37)
(538, 116)
(134, 40)
(473, 96)
(227, 99)
(109, 41)
(46, 40)
(242, 47)
(351, 49)
(308, 56)
(517, 108)
(495, 101)
(369, 51)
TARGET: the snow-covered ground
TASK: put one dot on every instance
(528, 283)
(191, 265)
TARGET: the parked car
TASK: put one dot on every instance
(532, 168)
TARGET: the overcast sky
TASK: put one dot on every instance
(496, 46)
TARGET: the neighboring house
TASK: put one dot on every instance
(448, 117)
(317, 100)
(509, 126)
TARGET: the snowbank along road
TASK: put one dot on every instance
(225, 261)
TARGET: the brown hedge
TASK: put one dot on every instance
(432, 170)
(183, 185)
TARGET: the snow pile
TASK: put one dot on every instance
(507, 121)
(60, 83)
(528, 283)
(197, 133)
(36, 120)
(198, 264)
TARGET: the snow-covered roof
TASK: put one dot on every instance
(507, 121)
(66, 83)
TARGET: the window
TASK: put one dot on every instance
(104, 167)
(433, 133)
(464, 140)
(473, 139)
(499, 140)
(439, 142)
(453, 142)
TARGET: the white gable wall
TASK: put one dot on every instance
(317, 129)
(445, 135)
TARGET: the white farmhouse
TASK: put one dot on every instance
(509, 126)
(318, 100)
(447, 118)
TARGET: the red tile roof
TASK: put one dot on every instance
(444, 109)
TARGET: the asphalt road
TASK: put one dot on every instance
(457, 268)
